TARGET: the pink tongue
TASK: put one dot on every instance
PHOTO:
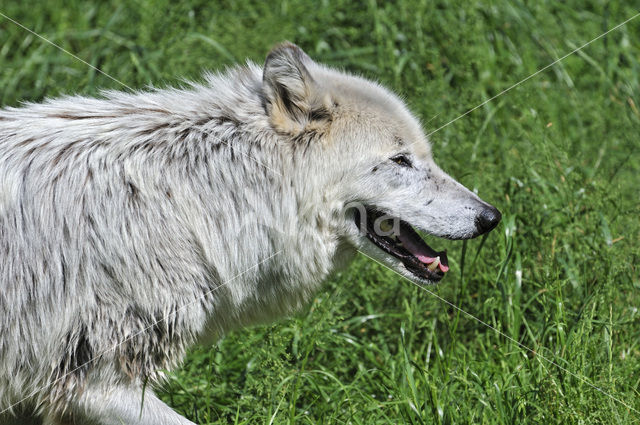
(425, 259)
(429, 260)
(418, 251)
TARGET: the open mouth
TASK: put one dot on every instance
(397, 238)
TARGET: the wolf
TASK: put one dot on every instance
(135, 225)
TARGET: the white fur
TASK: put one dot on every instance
(117, 212)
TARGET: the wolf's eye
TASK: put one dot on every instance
(401, 160)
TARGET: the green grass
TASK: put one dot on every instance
(559, 155)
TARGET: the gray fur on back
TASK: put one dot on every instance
(116, 212)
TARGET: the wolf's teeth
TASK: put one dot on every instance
(433, 266)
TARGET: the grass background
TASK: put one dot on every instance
(559, 155)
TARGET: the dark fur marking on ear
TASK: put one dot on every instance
(320, 114)
(288, 104)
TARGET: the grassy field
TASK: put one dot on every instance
(559, 155)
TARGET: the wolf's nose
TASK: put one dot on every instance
(488, 219)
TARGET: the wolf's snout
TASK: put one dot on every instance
(488, 219)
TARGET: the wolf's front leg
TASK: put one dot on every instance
(121, 406)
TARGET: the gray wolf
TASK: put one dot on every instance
(135, 225)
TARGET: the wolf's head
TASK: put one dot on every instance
(376, 164)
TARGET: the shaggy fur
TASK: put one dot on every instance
(135, 225)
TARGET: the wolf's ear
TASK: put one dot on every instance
(291, 94)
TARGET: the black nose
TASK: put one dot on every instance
(488, 219)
